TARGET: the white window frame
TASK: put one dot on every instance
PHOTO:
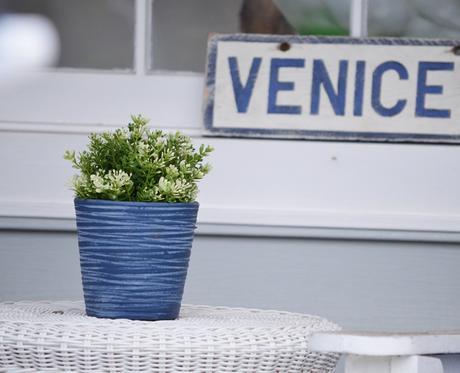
(358, 18)
(258, 187)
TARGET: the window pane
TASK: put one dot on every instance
(317, 17)
(395, 18)
(93, 33)
(181, 27)
(415, 18)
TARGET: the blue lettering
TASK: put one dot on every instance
(321, 78)
(359, 88)
(242, 92)
(377, 88)
(423, 89)
(276, 86)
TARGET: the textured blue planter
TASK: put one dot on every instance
(134, 257)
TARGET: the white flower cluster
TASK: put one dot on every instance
(115, 183)
(113, 180)
(143, 149)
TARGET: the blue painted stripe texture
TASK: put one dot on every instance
(134, 257)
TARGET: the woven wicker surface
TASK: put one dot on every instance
(58, 336)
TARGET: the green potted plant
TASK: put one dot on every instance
(136, 214)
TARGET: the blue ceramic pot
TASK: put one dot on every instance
(134, 257)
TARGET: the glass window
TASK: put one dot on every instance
(181, 28)
(430, 19)
(97, 34)
(317, 17)
(406, 18)
(415, 18)
(394, 18)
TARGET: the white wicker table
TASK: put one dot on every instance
(58, 336)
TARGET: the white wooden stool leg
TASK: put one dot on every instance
(416, 364)
(403, 364)
(366, 364)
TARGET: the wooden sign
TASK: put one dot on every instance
(333, 88)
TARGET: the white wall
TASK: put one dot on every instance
(282, 187)
(279, 197)
(366, 285)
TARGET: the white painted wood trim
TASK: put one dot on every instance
(329, 219)
(305, 201)
(80, 128)
(358, 18)
(291, 222)
(142, 36)
(387, 344)
(103, 98)
(214, 229)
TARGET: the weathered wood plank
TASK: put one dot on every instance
(371, 89)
